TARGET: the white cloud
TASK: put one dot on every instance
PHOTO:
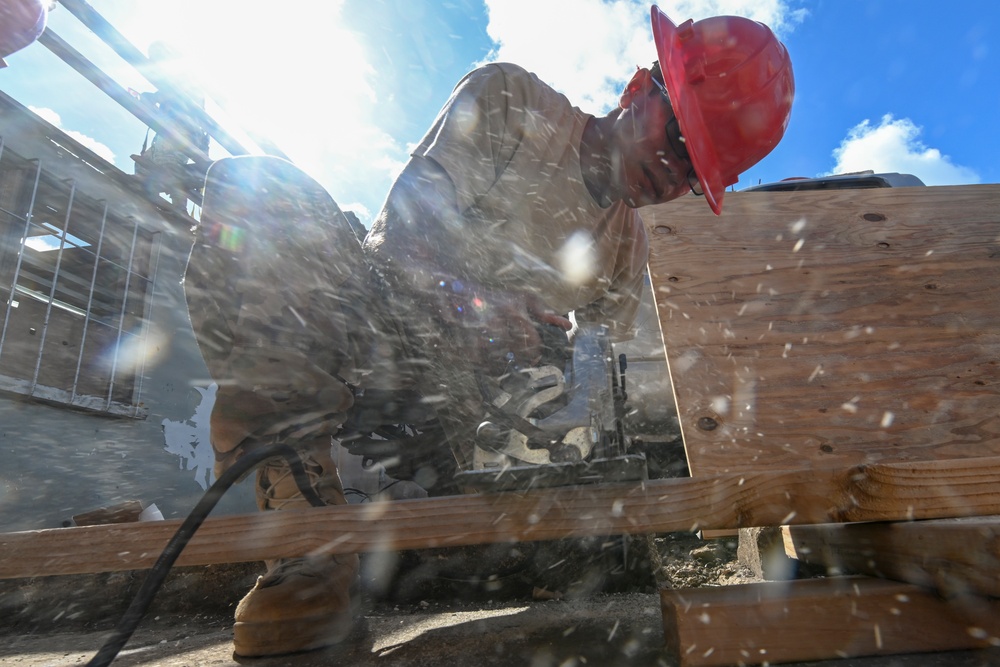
(777, 14)
(894, 146)
(53, 118)
(48, 115)
(588, 48)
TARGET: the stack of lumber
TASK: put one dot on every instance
(836, 329)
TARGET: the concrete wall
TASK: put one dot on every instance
(56, 461)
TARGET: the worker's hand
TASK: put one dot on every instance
(495, 327)
(541, 313)
(510, 329)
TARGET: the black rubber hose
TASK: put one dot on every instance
(158, 574)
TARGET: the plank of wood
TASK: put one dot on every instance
(954, 556)
(125, 512)
(819, 619)
(831, 327)
(862, 493)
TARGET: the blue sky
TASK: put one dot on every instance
(346, 87)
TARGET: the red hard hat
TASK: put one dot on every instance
(731, 86)
(21, 22)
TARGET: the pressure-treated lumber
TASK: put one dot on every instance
(831, 327)
(954, 556)
(861, 493)
(819, 619)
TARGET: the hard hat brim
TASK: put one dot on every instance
(685, 104)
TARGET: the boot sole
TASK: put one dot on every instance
(293, 635)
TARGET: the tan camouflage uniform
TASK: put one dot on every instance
(279, 296)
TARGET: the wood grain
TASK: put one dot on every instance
(819, 619)
(877, 492)
(832, 327)
(954, 556)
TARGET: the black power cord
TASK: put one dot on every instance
(158, 574)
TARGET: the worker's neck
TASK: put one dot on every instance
(596, 161)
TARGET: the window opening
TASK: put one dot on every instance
(78, 281)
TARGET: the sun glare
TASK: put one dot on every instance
(294, 73)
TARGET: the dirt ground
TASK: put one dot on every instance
(597, 605)
(605, 631)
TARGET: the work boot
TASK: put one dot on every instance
(300, 604)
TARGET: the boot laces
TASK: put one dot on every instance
(287, 567)
(267, 490)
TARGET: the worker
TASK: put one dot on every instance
(516, 209)
(163, 166)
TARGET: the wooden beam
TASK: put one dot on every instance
(955, 556)
(832, 327)
(861, 493)
(819, 619)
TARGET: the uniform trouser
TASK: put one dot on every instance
(280, 298)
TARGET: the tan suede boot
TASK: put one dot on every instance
(300, 604)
